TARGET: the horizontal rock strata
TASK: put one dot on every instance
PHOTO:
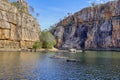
(17, 29)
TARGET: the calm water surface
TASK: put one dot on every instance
(39, 66)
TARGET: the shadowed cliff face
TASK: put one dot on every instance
(92, 27)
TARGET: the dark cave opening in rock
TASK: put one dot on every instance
(83, 36)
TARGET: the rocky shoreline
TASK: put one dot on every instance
(56, 50)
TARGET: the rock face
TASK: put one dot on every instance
(17, 29)
(90, 28)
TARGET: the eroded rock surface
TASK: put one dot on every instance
(17, 29)
(92, 27)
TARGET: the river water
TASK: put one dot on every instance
(93, 65)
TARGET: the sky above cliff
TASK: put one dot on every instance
(51, 11)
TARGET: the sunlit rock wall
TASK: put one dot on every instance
(17, 29)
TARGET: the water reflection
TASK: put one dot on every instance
(39, 66)
(17, 64)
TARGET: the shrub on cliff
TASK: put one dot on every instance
(47, 39)
(19, 6)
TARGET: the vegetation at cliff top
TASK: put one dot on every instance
(20, 7)
(24, 8)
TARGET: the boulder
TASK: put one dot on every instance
(73, 60)
(73, 50)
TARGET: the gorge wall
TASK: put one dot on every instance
(91, 28)
(17, 29)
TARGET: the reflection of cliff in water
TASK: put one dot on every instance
(17, 63)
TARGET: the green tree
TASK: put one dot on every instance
(31, 9)
(36, 45)
(47, 39)
(93, 4)
(37, 14)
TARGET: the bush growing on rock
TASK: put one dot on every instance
(20, 7)
(47, 39)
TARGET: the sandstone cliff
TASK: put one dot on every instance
(17, 29)
(92, 27)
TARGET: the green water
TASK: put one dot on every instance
(93, 65)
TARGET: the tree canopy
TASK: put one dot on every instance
(47, 39)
